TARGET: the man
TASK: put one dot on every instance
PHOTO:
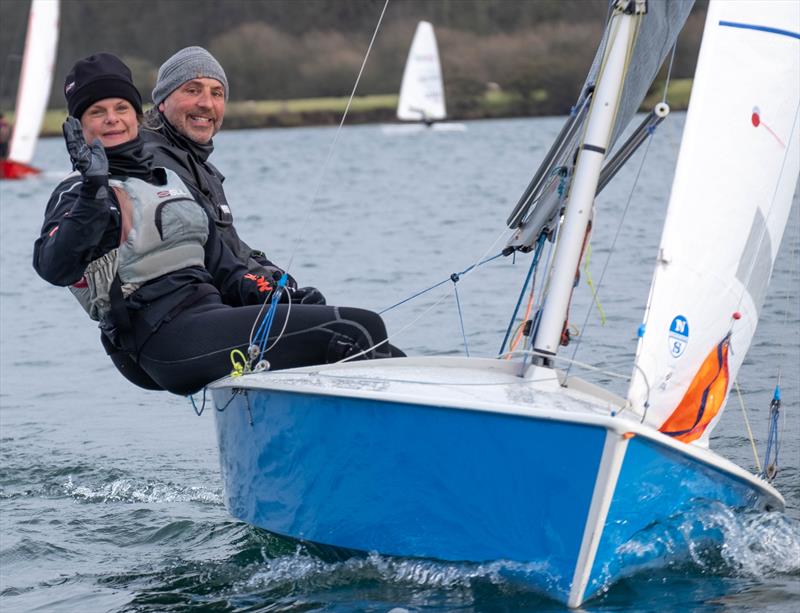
(189, 106)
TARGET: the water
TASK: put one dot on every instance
(110, 496)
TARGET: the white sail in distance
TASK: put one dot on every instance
(422, 88)
(36, 78)
(737, 169)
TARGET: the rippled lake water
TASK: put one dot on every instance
(110, 496)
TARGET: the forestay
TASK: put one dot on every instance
(736, 173)
(422, 89)
(36, 77)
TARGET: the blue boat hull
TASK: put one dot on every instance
(453, 484)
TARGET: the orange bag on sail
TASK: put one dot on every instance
(704, 398)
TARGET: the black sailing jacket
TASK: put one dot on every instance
(189, 160)
(80, 227)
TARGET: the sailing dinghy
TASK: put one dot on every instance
(421, 102)
(513, 461)
(33, 92)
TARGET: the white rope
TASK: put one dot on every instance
(747, 423)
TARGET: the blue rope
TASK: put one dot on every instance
(261, 336)
(455, 278)
(432, 287)
(772, 437)
(535, 261)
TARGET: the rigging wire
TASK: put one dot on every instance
(534, 262)
(440, 283)
(773, 435)
(613, 246)
(455, 278)
(264, 329)
(669, 73)
(630, 43)
(408, 325)
(747, 424)
(596, 291)
(773, 441)
(332, 147)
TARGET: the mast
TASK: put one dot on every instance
(600, 123)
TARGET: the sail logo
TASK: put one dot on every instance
(678, 336)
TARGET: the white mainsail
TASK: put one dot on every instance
(422, 89)
(36, 77)
(737, 169)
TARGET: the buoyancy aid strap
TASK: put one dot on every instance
(120, 317)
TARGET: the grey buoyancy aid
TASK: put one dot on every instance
(163, 230)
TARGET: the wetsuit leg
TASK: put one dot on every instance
(194, 347)
(127, 367)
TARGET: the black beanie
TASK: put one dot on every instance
(97, 77)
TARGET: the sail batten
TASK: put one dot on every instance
(737, 169)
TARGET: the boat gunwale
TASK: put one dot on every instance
(621, 424)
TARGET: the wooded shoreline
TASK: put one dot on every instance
(250, 114)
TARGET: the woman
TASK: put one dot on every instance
(144, 259)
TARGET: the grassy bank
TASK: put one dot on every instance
(373, 109)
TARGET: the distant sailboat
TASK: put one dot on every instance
(421, 97)
(36, 77)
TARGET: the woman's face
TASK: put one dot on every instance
(112, 120)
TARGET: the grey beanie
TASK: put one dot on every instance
(187, 64)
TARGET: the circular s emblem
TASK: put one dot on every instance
(678, 336)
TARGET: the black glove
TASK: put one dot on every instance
(90, 161)
(270, 270)
(306, 295)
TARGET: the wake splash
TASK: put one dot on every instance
(305, 572)
(132, 490)
(760, 545)
(719, 541)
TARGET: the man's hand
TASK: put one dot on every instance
(306, 295)
(90, 161)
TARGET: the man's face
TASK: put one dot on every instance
(196, 109)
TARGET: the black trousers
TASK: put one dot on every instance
(194, 347)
